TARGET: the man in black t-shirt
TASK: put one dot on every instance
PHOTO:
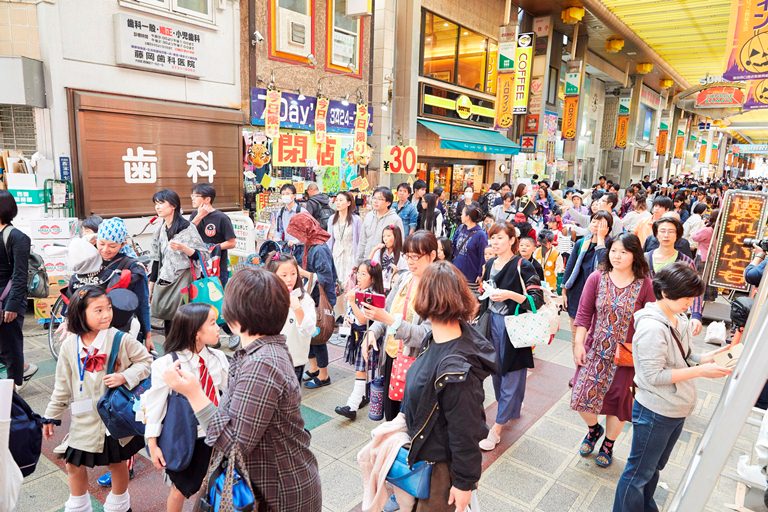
(214, 226)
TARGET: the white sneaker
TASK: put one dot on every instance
(490, 442)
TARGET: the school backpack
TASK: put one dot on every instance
(37, 277)
(26, 437)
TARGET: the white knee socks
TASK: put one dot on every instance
(78, 503)
(117, 502)
(358, 392)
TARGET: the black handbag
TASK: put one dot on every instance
(177, 439)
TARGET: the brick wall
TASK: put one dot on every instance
(18, 30)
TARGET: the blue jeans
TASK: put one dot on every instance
(653, 438)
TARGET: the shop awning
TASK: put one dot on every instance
(466, 138)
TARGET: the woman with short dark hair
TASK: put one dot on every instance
(260, 410)
(665, 393)
(14, 262)
(604, 325)
(443, 401)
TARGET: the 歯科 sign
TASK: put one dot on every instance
(157, 45)
(720, 97)
(298, 112)
(570, 117)
(400, 159)
(504, 101)
(622, 127)
(523, 65)
(741, 217)
(747, 57)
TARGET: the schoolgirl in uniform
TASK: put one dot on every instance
(302, 318)
(369, 280)
(192, 333)
(81, 380)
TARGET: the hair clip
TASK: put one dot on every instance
(82, 293)
(276, 256)
(374, 263)
(391, 226)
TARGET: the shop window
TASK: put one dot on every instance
(344, 38)
(440, 39)
(199, 9)
(17, 129)
(457, 55)
(291, 29)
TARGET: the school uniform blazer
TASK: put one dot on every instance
(87, 431)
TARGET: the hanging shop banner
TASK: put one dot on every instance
(572, 82)
(507, 57)
(720, 97)
(702, 152)
(748, 36)
(757, 95)
(298, 149)
(361, 122)
(661, 142)
(504, 101)
(272, 114)
(570, 117)
(523, 65)
(531, 124)
(400, 159)
(321, 112)
(297, 112)
(679, 146)
(622, 128)
(624, 105)
(742, 216)
(528, 143)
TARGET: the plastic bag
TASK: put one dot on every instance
(715, 333)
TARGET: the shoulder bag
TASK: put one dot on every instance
(415, 480)
(525, 329)
(402, 362)
(205, 290)
(326, 322)
(166, 297)
(227, 486)
(680, 347)
(177, 439)
(118, 406)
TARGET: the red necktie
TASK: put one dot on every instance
(207, 382)
(95, 361)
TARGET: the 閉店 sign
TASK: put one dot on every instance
(523, 64)
(400, 159)
(157, 45)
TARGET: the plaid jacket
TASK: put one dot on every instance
(260, 411)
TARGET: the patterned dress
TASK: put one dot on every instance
(600, 387)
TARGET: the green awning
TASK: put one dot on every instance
(466, 138)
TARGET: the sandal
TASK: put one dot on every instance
(588, 444)
(605, 456)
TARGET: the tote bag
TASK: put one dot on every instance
(206, 290)
(166, 297)
(525, 329)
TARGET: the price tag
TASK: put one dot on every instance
(400, 159)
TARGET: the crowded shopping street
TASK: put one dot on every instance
(381, 255)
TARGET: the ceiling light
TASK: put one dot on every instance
(445, 24)
(614, 44)
(572, 15)
(643, 68)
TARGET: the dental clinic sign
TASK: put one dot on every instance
(298, 113)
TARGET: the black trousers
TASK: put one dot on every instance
(12, 348)
(391, 407)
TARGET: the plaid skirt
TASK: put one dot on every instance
(353, 353)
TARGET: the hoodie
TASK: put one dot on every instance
(443, 404)
(316, 203)
(656, 354)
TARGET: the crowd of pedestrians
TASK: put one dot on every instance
(421, 292)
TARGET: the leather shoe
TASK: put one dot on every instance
(346, 412)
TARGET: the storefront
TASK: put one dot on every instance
(128, 148)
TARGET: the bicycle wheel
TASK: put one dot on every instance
(57, 316)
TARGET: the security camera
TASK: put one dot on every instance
(257, 37)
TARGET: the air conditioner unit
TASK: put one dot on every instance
(294, 33)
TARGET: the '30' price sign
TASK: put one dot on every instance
(400, 159)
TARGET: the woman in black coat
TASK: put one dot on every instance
(508, 271)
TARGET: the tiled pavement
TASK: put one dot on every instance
(535, 468)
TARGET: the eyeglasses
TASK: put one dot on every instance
(413, 257)
(667, 231)
(195, 196)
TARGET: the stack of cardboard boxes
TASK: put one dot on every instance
(25, 179)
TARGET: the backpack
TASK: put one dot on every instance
(26, 436)
(280, 219)
(323, 214)
(37, 277)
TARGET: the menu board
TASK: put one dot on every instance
(742, 216)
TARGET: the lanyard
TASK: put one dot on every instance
(81, 364)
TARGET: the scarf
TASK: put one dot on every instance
(308, 231)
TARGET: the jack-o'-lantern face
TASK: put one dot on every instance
(258, 155)
(761, 92)
(754, 53)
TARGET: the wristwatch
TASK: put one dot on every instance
(392, 329)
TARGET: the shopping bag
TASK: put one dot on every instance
(524, 329)
(206, 290)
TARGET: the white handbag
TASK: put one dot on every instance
(531, 327)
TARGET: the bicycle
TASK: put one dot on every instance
(59, 308)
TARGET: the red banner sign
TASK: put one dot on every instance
(720, 97)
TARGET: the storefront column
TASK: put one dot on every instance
(676, 115)
(382, 89)
(406, 88)
(628, 155)
(570, 146)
